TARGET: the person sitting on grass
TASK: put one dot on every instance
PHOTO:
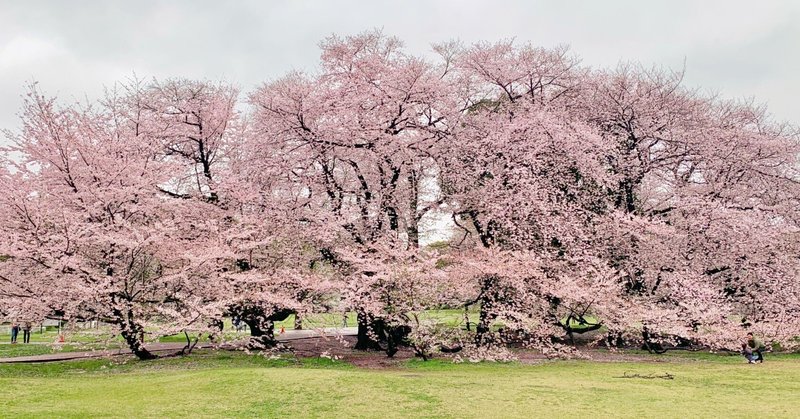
(753, 349)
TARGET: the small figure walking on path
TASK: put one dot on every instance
(14, 332)
(26, 332)
(753, 349)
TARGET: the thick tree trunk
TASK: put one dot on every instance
(134, 337)
(413, 234)
(367, 333)
(391, 346)
(298, 322)
(395, 336)
(483, 328)
(131, 331)
(615, 340)
(262, 332)
(627, 196)
(488, 297)
(262, 327)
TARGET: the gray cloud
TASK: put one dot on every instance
(74, 48)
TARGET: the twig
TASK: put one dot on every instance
(665, 376)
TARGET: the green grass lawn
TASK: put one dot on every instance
(209, 384)
(8, 351)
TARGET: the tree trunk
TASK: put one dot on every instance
(483, 328)
(298, 322)
(261, 325)
(134, 337)
(412, 228)
(396, 335)
(413, 234)
(391, 345)
(131, 331)
(627, 197)
(262, 333)
(466, 317)
(367, 333)
(489, 295)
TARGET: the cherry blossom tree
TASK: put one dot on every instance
(359, 137)
(245, 220)
(696, 176)
(667, 216)
(525, 179)
(83, 216)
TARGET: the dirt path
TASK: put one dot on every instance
(289, 335)
(337, 343)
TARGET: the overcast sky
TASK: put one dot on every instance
(74, 48)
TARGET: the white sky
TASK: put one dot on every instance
(74, 48)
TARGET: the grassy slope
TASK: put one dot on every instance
(237, 385)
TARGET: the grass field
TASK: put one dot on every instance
(210, 384)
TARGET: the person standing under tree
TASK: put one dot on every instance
(14, 332)
(753, 349)
(26, 332)
(236, 323)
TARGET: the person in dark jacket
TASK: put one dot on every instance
(26, 332)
